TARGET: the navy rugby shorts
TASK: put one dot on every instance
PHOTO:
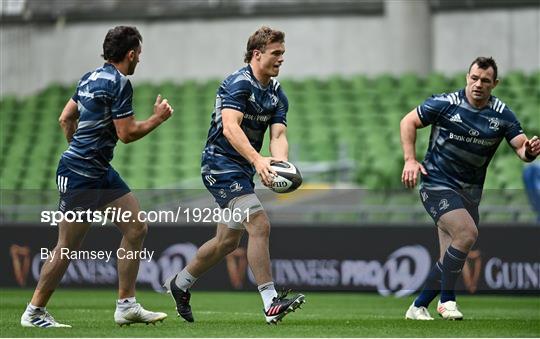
(227, 186)
(78, 192)
(439, 202)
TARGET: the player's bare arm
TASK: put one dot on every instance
(279, 146)
(408, 126)
(526, 149)
(235, 135)
(129, 129)
(69, 119)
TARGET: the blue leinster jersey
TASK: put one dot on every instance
(463, 141)
(102, 95)
(261, 106)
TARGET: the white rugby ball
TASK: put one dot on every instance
(288, 177)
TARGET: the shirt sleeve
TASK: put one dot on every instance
(235, 95)
(122, 105)
(431, 109)
(280, 115)
(513, 128)
(75, 96)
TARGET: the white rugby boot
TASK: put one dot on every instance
(40, 318)
(137, 314)
(448, 310)
(417, 313)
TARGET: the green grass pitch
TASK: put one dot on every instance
(238, 314)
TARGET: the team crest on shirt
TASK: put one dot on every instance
(443, 204)
(433, 211)
(494, 124)
(235, 187)
(274, 100)
(222, 193)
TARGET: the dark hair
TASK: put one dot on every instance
(485, 63)
(260, 39)
(119, 41)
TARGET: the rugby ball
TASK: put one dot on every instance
(288, 177)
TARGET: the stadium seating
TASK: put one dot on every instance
(355, 115)
(326, 115)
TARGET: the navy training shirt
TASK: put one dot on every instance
(261, 105)
(463, 141)
(101, 96)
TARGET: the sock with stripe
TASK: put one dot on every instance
(125, 303)
(432, 286)
(185, 280)
(453, 262)
(268, 293)
(34, 309)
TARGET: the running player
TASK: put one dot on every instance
(98, 114)
(247, 103)
(467, 128)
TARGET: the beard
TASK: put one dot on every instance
(131, 68)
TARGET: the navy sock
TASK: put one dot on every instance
(453, 262)
(432, 286)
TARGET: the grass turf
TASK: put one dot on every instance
(238, 314)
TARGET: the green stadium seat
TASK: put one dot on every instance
(324, 115)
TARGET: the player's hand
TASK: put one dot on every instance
(532, 146)
(409, 177)
(274, 160)
(262, 166)
(162, 109)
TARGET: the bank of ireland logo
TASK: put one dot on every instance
(473, 132)
(494, 124)
(405, 271)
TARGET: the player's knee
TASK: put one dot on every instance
(228, 245)
(68, 244)
(137, 231)
(469, 236)
(260, 227)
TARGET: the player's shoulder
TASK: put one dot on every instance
(241, 78)
(499, 106)
(443, 101)
(105, 81)
(276, 86)
(450, 98)
(278, 90)
(113, 80)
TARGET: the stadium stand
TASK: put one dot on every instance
(329, 119)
